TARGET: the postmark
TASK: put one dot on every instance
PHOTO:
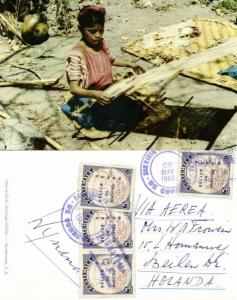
(159, 172)
(106, 228)
(206, 173)
(108, 187)
(107, 274)
(71, 219)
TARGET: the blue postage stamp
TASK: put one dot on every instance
(106, 187)
(206, 173)
(107, 274)
(107, 228)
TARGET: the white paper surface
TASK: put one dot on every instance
(185, 244)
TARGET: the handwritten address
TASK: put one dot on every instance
(182, 245)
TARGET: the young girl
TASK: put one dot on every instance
(89, 72)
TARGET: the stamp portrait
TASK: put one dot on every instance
(107, 274)
(206, 173)
(103, 228)
(108, 187)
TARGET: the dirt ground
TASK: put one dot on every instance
(209, 112)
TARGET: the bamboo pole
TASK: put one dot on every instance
(29, 83)
(170, 70)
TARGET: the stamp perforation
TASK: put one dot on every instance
(107, 230)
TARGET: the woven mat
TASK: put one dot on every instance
(208, 72)
(178, 41)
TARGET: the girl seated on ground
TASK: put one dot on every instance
(89, 73)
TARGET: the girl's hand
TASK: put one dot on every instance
(122, 63)
(137, 69)
(102, 97)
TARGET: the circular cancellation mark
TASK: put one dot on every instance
(70, 218)
(159, 172)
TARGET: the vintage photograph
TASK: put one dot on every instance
(118, 74)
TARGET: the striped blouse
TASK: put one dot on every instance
(91, 70)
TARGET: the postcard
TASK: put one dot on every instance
(157, 224)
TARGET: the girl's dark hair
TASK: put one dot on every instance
(88, 17)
